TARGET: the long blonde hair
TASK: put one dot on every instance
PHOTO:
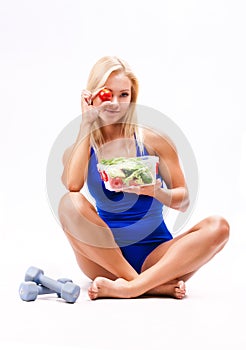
(100, 72)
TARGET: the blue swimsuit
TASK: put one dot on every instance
(135, 221)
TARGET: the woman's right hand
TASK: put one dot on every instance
(89, 112)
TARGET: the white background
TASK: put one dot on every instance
(190, 59)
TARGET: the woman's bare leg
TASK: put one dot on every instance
(184, 256)
(92, 240)
(92, 269)
(175, 288)
(79, 216)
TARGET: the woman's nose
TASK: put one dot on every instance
(114, 100)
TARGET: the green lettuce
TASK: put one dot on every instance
(132, 171)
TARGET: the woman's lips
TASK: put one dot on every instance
(111, 111)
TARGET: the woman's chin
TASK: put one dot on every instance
(108, 119)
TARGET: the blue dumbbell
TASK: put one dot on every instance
(68, 291)
(29, 291)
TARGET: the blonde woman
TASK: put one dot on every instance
(122, 243)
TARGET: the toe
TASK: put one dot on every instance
(93, 291)
(92, 295)
(181, 286)
(180, 290)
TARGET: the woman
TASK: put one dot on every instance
(123, 244)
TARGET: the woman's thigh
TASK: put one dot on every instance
(92, 240)
(213, 229)
(92, 269)
(79, 217)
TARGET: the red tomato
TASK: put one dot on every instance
(104, 176)
(157, 168)
(105, 95)
(116, 182)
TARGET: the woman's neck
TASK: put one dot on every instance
(112, 132)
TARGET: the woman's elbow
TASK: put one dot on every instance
(71, 186)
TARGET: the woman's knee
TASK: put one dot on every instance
(72, 203)
(219, 229)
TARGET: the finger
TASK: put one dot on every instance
(85, 94)
(85, 91)
(132, 189)
(158, 183)
(86, 98)
(126, 189)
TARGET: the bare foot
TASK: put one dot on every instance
(175, 289)
(103, 287)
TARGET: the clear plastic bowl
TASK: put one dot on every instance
(120, 173)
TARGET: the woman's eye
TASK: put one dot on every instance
(124, 94)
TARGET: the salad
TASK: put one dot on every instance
(126, 172)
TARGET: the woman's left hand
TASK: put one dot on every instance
(149, 190)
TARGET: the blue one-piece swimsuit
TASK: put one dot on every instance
(136, 221)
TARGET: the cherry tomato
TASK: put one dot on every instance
(105, 95)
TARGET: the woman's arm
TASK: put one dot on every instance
(76, 157)
(75, 161)
(176, 194)
(175, 198)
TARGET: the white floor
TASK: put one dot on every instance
(210, 317)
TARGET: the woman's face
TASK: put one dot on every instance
(114, 110)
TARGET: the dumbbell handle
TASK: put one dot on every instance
(44, 290)
(49, 283)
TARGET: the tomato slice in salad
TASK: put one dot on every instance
(116, 182)
(104, 176)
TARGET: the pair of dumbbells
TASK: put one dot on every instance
(37, 284)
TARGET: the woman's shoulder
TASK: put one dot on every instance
(157, 141)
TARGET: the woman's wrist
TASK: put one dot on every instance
(176, 198)
(85, 128)
(163, 195)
